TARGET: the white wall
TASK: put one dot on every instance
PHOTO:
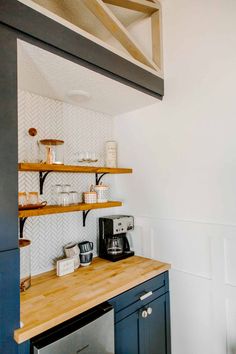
(183, 190)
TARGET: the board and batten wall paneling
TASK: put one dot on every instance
(182, 191)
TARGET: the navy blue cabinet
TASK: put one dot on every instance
(9, 300)
(9, 253)
(8, 141)
(142, 318)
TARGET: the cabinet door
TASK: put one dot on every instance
(126, 335)
(8, 140)
(154, 330)
(9, 300)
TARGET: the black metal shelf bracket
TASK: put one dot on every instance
(98, 177)
(22, 224)
(42, 177)
(85, 214)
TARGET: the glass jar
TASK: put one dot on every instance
(73, 197)
(52, 151)
(56, 190)
(25, 264)
(64, 199)
(33, 198)
(66, 188)
(22, 199)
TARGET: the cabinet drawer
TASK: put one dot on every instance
(142, 294)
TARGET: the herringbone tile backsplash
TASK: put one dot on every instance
(82, 130)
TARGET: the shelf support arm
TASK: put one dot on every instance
(85, 214)
(98, 177)
(22, 224)
(42, 177)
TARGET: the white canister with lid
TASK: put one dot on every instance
(111, 154)
(102, 193)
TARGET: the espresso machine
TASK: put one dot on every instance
(113, 241)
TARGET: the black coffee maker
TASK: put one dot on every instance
(113, 241)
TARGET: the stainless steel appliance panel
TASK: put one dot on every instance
(97, 337)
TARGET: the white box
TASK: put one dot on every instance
(65, 266)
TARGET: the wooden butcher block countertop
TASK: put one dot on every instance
(52, 300)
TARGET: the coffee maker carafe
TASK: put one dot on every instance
(113, 241)
(114, 245)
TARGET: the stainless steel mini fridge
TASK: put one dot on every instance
(88, 333)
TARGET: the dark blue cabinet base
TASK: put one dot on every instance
(9, 300)
(143, 326)
(24, 348)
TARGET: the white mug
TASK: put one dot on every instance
(72, 251)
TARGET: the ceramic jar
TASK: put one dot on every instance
(111, 154)
(102, 193)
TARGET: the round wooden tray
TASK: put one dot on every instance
(33, 206)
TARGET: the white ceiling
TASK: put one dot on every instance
(49, 75)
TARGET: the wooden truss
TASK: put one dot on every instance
(152, 8)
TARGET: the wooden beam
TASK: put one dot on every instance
(157, 39)
(116, 28)
(136, 5)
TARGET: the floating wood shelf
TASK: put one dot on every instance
(45, 169)
(57, 209)
(42, 167)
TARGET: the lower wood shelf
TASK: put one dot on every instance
(57, 209)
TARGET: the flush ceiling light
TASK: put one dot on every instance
(79, 95)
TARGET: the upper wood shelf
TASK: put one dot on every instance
(39, 167)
